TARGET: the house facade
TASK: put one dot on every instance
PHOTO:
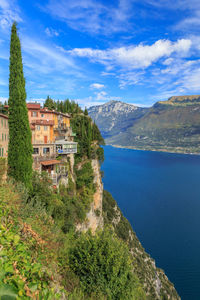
(51, 136)
(4, 135)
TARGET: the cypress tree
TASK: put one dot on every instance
(20, 147)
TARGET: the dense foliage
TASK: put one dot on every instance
(102, 263)
(65, 106)
(2, 167)
(20, 146)
(24, 273)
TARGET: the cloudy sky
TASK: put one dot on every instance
(94, 51)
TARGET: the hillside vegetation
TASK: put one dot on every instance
(43, 256)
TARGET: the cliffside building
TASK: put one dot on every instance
(4, 135)
(51, 136)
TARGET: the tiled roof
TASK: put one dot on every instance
(33, 105)
(46, 110)
(4, 116)
(50, 162)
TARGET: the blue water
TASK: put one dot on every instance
(159, 193)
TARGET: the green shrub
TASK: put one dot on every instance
(102, 263)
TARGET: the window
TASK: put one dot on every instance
(2, 123)
(34, 114)
(35, 150)
(2, 137)
(42, 115)
(2, 152)
(45, 128)
(5, 123)
(46, 150)
(38, 127)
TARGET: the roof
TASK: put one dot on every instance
(42, 122)
(33, 106)
(63, 142)
(50, 162)
(3, 116)
(46, 110)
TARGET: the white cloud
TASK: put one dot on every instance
(51, 32)
(101, 95)
(92, 16)
(3, 99)
(88, 102)
(131, 78)
(190, 20)
(134, 57)
(97, 86)
(9, 12)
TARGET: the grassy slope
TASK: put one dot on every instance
(29, 243)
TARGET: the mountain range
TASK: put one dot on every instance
(172, 125)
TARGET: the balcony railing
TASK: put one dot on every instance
(67, 151)
(61, 127)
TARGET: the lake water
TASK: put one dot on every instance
(159, 193)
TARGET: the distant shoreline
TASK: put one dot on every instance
(153, 150)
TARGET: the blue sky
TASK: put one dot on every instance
(94, 51)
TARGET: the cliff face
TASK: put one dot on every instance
(94, 218)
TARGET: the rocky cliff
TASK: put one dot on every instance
(94, 218)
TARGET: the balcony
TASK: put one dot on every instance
(65, 147)
(61, 127)
(66, 151)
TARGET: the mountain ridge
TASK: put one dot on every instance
(172, 125)
(115, 116)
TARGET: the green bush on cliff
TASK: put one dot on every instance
(103, 264)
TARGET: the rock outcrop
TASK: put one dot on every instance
(94, 218)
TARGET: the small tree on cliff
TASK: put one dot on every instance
(20, 147)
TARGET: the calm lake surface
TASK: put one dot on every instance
(159, 193)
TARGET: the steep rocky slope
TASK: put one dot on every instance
(94, 218)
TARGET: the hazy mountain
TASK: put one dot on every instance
(172, 125)
(115, 117)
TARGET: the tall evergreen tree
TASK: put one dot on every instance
(20, 147)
